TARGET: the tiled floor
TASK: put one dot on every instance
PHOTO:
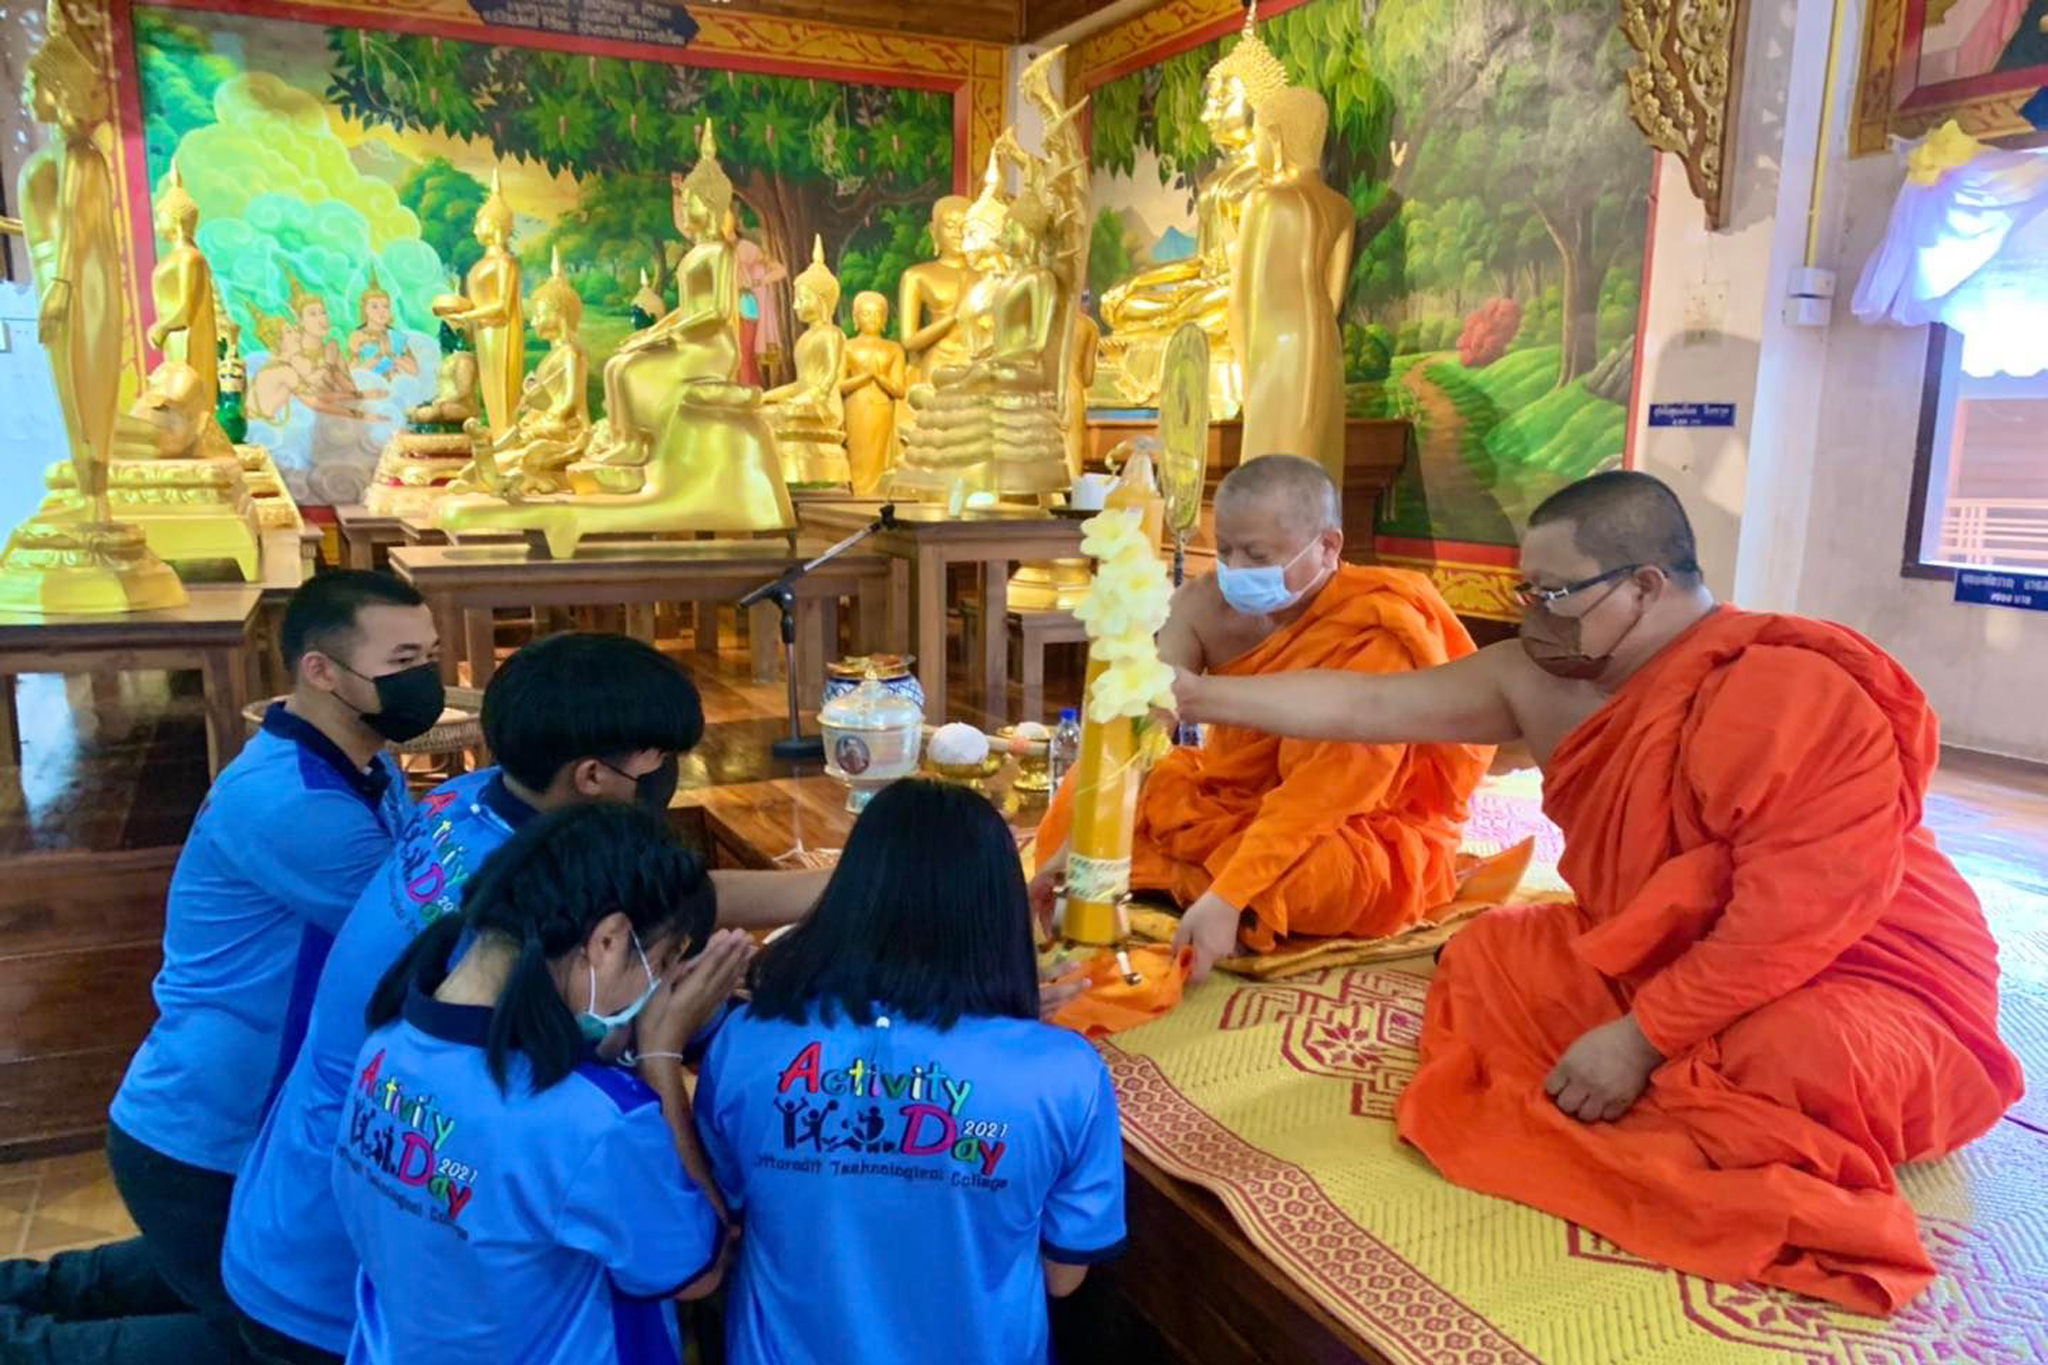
(58, 1203)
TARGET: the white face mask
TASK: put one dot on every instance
(1262, 590)
(597, 1027)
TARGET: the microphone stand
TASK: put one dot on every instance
(796, 746)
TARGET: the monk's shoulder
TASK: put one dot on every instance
(1782, 697)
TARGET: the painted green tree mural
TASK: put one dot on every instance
(807, 157)
(445, 199)
(181, 70)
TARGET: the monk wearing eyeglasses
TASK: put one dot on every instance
(1773, 988)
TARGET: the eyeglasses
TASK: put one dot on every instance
(1529, 595)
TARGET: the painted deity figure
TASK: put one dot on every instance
(808, 414)
(873, 380)
(306, 363)
(373, 346)
(1142, 313)
(186, 329)
(490, 307)
(1293, 252)
(929, 295)
(551, 426)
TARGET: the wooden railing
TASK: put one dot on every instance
(2009, 532)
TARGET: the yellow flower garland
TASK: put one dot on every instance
(1123, 611)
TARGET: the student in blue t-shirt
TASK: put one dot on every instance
(915, 1160)
(571, 719)
(290, 833)
(515, 1200)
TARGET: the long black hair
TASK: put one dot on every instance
(543, 891)
(925, 915)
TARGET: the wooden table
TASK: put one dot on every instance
(211, 633)
(366, 541)
(924, 544)
(469, 582)
(1188, 1273)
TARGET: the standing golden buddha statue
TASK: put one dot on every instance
(185, 330)
(1143, 312)
(551, 425)
(682, 446)
(873, 380)
(64, 564)
(807, 414)
(490, 308)
(1293, 252)
(928, 296)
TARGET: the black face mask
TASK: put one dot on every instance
(408, 701)
(656, 787)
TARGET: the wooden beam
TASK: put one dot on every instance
(987, 21)
(1050, 16)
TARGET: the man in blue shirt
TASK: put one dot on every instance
(289, 835)
(571, 719)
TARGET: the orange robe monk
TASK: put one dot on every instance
(1742, 825)
(1325, 839)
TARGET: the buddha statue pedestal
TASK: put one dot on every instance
(276, 510)
(54, 566)
(414, 471)
(188, 510)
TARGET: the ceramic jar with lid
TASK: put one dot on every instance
(873, 735)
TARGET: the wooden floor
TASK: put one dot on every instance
(124, 768)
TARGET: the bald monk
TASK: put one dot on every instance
(1262, 837)
(1773, 989)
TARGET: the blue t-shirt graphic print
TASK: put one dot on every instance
(897, 1185)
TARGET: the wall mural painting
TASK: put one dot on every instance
(338, 172)
(1501, 192)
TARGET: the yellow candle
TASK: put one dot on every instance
(1106, 777)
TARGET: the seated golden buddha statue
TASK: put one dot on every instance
(418, 464)
(808, 414)
(682, 447)
(551, 424)
(991, 427)
(1144, 311)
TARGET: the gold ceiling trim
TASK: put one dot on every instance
(1683, 90)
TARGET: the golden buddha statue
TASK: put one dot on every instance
(1146, 310)
(1293, 251)
(490, 308)
(873, 379)
(928, 296)
(991, 425)
(682, 446)
(417, 465)
(551, 426)
(185, 329)
(807, 414)
(84, 562)
(1080, 378)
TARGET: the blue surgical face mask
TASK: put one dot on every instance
(1262, 590)
(596, 1027)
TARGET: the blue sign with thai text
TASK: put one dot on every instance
(1692, 414)
(2028, 592)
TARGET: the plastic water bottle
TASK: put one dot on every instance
(1063, 751)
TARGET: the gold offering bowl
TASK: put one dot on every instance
(1034, 770)
(973, 775)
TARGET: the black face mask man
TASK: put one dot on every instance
(409, 701)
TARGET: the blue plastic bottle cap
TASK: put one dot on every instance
(1070, 713)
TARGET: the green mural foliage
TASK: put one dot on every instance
(1489, 159)
(808, 157)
